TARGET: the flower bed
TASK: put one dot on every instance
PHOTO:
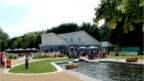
(11, 56)
(48, 56)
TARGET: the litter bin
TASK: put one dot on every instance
(8, 62)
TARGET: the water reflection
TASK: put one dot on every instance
(110, 71)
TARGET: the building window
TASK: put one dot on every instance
(71, 39)
(79, 39)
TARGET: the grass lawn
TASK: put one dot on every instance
(126, 57)
(43, 66)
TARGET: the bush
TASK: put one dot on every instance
(38, 56)
(48, 56)
(60, 55)
(11, 56)
(21, 54)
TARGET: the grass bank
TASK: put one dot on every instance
(43, 66)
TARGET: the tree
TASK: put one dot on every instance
(92, 29)
(133, 38)
(17, 43)
(126, 12)
(64, 28)
(105, 32)
(29, 40)
(3, 40)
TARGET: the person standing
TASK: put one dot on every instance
(117, 54)
(0, 59)
(89, 54)
(3, 60)
(104, 53)
(99, 54)
(26, 62)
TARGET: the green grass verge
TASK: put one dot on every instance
(127, 57)
(43, 66)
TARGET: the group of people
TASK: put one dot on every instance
(102, 54)
(2, 59)
(92, 54)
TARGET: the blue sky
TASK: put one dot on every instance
(18, 17)
(11, 15)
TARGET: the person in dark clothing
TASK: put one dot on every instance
(26, 62)
(104, 53)
(1, 54)
(117, 54)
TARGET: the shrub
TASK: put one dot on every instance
(60, 55)
(48, 56)
(21, 54)
(10, 56)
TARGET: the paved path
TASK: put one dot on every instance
(123, 61)
(60, 76)
(114, 60)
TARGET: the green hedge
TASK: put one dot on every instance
(10, 56)
(48, 56)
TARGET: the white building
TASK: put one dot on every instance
(107, 45)
(67, 41)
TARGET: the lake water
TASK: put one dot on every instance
(110, 71)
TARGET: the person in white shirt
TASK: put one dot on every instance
(4, 60)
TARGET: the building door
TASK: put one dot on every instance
(73, 50)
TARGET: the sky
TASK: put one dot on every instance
(18, 17)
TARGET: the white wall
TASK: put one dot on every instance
(125, 53)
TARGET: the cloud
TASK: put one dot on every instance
(44, 14)
(15, 2)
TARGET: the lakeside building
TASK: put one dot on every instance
(67, 41)
(107, 45)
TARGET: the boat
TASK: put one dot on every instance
(132, 60)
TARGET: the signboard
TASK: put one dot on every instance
(8, 62)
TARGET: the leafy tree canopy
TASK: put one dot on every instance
(128, 12)
(3, 39)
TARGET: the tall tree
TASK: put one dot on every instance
(127, 12)
(105, 32)
(64, 28)
(29, 40)
(125, 17)
(92, 29)
(3, 40)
